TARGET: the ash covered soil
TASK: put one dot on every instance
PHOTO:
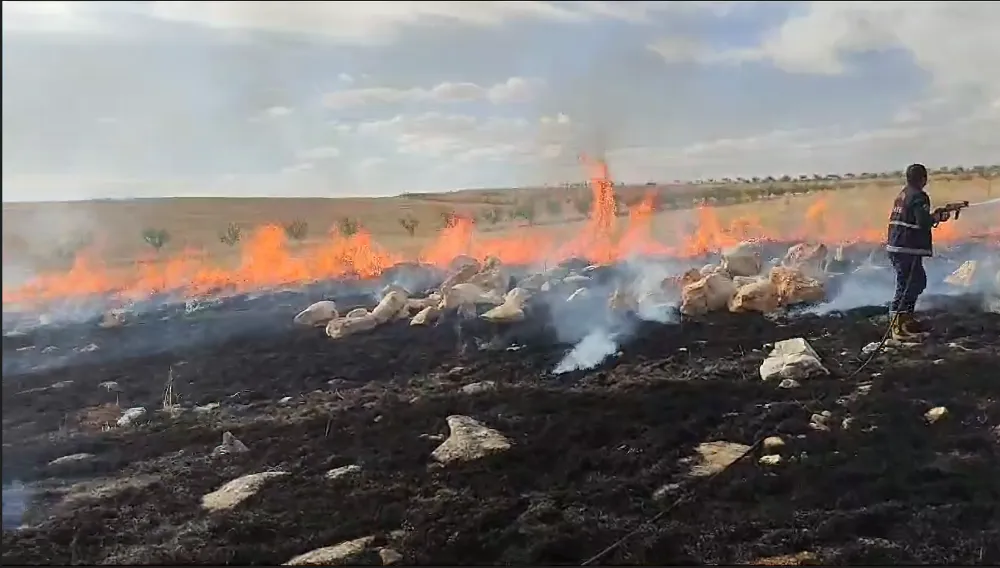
(594, 455)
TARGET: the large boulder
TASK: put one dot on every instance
(512, 309)
(469, 440)
(317, 314)
(795, 287)
(810, 258)
(742, 259)
(342, 327)
(756, 296)
(390, 306)
(709, 294)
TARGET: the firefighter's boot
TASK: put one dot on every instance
(898, 328)
(915, 326)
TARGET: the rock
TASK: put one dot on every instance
(935, 414)
(469, 440)
(667, 490)
(389, 306)
(230, 445)
(711, 293)
(208, 407)
(468, 294)
(742, 260)
(773, 444)
(317, 314)
(715, 456)
(757, 296)
(342, 327)
(72, 458)
(131, 416)
(343, 472)
(113, 318)
(462, 274)
(798, 559)
(795, 287)
(428, 315)
(792, 359)
(389, 556)
(338, 554)
(110, 386)
(964, 275)
(512, 308)
(770, 459)
(238, 490)
(478, 387)
(819, 422)
(357, 313)
(577, 280)
(810, 258)
(788, 384)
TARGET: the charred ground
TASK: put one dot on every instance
(595, 453)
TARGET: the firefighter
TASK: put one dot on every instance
(909, 241)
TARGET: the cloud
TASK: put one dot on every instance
(148, 98)
(513, 90)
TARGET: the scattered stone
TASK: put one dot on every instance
(667, 490)
(792, 359)
(935, 414)
(871, 347)
(72, 458)
(343, 472)
(478, 387)
(797, 559)
(338, 554)
(285, 400)
(847, 423)
(770, 459)
(716, 456)
(819, 422)
(49, 349)
(208, 407)
(131, 416)
(238, 490)
(469, 440)
(87, 348)
(230, 445)
(773, 444)
(389, 556)
(788, 384)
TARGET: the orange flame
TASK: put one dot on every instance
(267, 262)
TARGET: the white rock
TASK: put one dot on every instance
(72, 458)
(792, 359)
(469, 440)
(773, 444)
(338, 554)
(131, 416)
(389, 556)
(478, 387)
(238, 490)
(317, 314)
(935, 414)
(770, 459)
(343, 471)
(788, 384)
(713, 457)
(110, 386)
(230, 445)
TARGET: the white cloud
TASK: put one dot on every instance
(278, 111)
(513, 90)
(369, 22)
(320, 153)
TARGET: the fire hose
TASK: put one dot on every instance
(952, 208)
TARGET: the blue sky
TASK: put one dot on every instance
(141, 99)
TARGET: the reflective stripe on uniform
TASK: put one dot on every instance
(905, 224)
(906, 250)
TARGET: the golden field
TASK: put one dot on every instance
(47, 235)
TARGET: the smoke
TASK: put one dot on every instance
(16, 497)
(590, 352)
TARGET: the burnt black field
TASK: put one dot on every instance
(590, 448)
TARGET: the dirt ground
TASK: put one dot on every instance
(595, 454)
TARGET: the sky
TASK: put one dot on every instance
(147, 99)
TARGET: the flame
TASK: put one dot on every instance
(266, 261)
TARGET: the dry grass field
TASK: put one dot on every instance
(47, 235)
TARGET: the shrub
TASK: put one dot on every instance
(156, 238)
(297, 230)
(409, 223)
(232, 234)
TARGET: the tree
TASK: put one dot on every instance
(232, 234)
(409, 223)
(156, 238)
(347, 226)
(554, 207)
(297, 230)
(492, 216)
